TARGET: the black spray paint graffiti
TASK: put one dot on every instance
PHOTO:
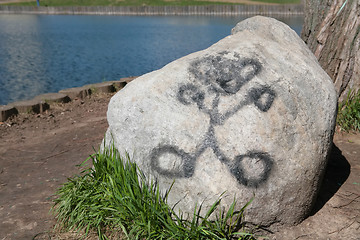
(221, 76)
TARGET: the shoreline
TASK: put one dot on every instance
(43, 102)
(209, 10)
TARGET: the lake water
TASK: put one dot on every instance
(47, 53)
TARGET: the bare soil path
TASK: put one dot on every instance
(39, 152)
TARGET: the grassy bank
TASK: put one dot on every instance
(55, 3)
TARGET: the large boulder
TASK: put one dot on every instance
(254, 114)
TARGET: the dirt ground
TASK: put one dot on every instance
(39, 152)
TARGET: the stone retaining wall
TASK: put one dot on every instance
(43, 102)
(227, 10)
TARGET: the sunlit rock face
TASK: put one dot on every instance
(253, 114)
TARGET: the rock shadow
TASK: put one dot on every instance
(337, 171)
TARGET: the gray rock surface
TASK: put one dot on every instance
(252, 114)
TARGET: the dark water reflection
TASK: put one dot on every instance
(46, 53)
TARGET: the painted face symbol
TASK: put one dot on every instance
(225, 75)
(231, 81)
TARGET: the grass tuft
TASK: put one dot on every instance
(115, 196)
(348, 117)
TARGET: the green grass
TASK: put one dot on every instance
(138, 2)
(114, 196)
(348, 117)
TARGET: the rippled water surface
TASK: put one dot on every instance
(47, 53)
